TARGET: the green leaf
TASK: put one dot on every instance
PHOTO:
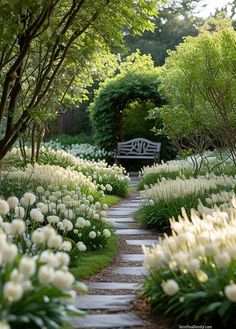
(206, 309)
(224, 308)
(81, 287)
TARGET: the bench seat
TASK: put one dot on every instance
(138, 148)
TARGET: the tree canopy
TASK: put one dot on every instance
(47, 45)
(175, 20)
(198, 81)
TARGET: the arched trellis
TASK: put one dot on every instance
(113, 97)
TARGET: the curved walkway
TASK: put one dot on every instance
(112, 291)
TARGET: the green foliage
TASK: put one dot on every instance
(153, 178)
(51, 51)
(40, 308)
(197, 302)
(65, 139)
(199, 83)
(157, 216)
(138, 80)
(174, 22)
(134, 122)
(11, 186)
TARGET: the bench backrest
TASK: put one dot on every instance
(138, 146)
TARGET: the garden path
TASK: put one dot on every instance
(113, 291)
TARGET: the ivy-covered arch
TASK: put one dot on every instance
(113, 97)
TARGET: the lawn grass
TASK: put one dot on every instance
(110, 200)
(93, 261)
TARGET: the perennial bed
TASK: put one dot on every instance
(111, 179)
(34, 275)
(171, 186)
(192, 273)
(53, 217)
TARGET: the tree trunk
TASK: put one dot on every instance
(10, 138)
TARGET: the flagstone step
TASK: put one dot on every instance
(119, 212)
(132, 231)
(108, 302)
(111, 307)
(123, 225)
(128, 207)
(132, 257)
(130, 270)
(141, 242)
(113, 286)
(120, 320)
(129, 203)
(124, 209)
(122, 219)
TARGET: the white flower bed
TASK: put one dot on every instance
(41, 280)
(168, 190)
(107, 178)
(54, 175)
(34, 259)
(83, 151)
(71, 213)
(168, 167)
(192, 272)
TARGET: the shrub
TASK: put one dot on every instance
(138, 80)
(67, 140)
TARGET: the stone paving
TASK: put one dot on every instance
(108, 308)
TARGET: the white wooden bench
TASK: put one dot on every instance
(138, 148)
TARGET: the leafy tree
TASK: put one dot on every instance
(199, 81)
(47, 45)
(175, 21)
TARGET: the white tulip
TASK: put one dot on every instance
(13, 291)
(170, 287)
(46, 274)
(230, 292)
(222, 259)
(18, 226)
(13, 202)
(81, 246)
(20, 212)
(38, 237)
(27, 266)
(36, 215)
(106, 233)
(4, 207)
(63, 280)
